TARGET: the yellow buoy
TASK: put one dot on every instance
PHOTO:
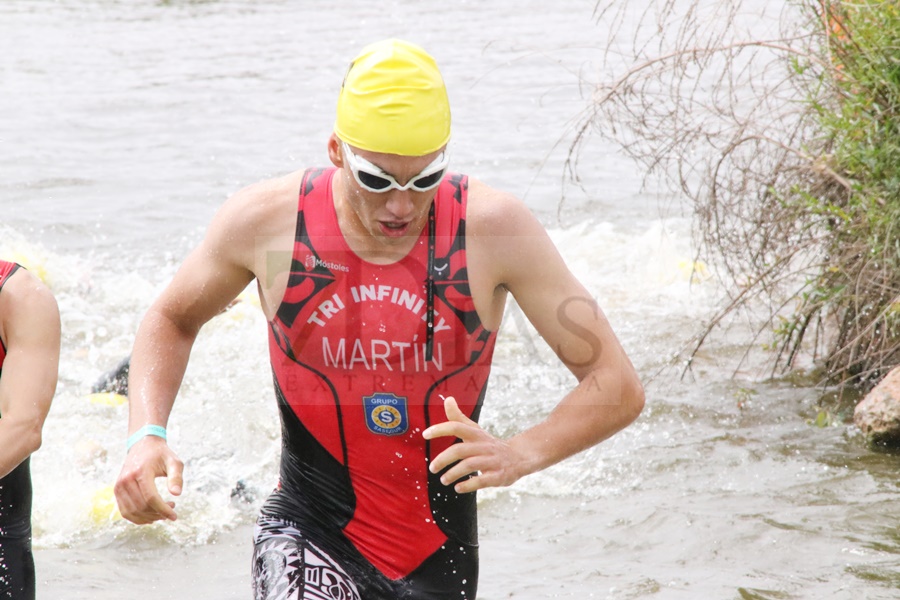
(107, 399)
(35, 265)
(103, 506)
(693, 271)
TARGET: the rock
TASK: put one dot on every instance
(878, 415)
(116, 380)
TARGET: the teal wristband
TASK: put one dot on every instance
(134, 438)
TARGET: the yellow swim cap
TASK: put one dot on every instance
(393, 100)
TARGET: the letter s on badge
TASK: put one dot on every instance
(386, 414)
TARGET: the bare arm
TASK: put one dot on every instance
(608, 394)
(211, 277)
(207, 281)
(29, 319)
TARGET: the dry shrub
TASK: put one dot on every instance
(782, 132)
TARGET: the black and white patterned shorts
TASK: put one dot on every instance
(287, 566)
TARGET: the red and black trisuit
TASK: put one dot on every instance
(16, 560)
(358, 378)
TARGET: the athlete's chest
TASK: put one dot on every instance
(346, 314)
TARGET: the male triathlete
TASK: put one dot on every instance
(384, 280)
(29, 364)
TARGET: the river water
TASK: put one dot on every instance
(123, 126)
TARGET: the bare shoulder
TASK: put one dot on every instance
(503, 230)
(25, 291)
(508, 250)
(252, 218)
(259, 208)
(250, 226)
(27, 306)
(250, 237)
(492, 212)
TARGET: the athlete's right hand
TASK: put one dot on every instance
(139, 500)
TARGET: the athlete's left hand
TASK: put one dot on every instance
(491, 461)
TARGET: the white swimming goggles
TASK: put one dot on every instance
(373, 178)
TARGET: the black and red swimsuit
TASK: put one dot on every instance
(356, 389)
(16, 560)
